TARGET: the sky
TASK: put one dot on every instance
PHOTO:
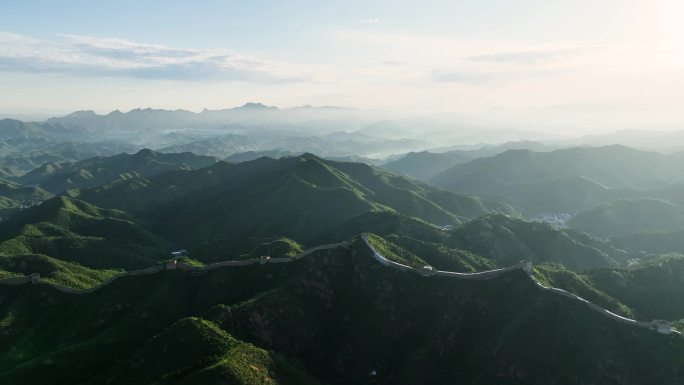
(592, 64)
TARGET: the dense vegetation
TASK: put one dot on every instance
(93, 172)
(663, 242)
(75, 231)
(423, 165)
(299, 198)
(336, 316)
(507, 240)
(567, 180)
(649, 289)
(623, 217)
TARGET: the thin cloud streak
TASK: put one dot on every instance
(492, 78)
(532, 57)
(76, 55)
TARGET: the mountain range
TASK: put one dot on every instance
(57, 177)
(336, 317)
(298, 197)
(179, 268)
(568, 180)
(623, 217)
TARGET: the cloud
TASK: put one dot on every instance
(77, 55)
(370, 21)
(463, 77)
(491, 77)
(506, 66)
(531, 57)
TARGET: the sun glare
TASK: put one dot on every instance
(671, 24)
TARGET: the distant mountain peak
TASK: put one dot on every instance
(146, 153)
(82, 114)
(257, 106)
(311, 107)
(308, 156)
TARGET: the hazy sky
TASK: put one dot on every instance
(615, 63)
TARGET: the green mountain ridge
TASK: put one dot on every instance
(614, 166)
(14, 197)
(624, 216)
(280, 207)
(566, 181)
(648, 290)
(662, 242)
(20, 157)
(423, 165)
(507, 240)
(299, 198)
(210, 355)
(338, 313)
(74, 231)
(59, 177)
(11, 129)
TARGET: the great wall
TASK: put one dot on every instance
(660, 326)
(170, 265)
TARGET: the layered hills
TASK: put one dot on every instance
(335, 317)
(662, 242)
(614, 166)
(625, 216)
(14, 196)
(170, 266)
(567, 180)
(280, 207)
(424, 165)
(17, 131)
(59, 177)
(73, 231)
(300, 198)
(507, 240)
(648, 289)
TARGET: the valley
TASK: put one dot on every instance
(275, 269)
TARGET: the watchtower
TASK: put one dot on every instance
(526, 266)
(35, 277)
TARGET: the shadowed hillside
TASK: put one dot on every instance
(629, 217)
(338, 313)
(299, 198)
(59, 177)
(74, 231)
(424, 165)
(568, 180)
(650, 289)
(508, 240)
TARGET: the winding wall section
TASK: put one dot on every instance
(35, 278)
(661, 326)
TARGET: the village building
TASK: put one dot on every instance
(179, 253)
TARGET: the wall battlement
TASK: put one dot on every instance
(662, 327)
(170, 265)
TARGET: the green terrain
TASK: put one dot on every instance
(336, 316)
(333, 316)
